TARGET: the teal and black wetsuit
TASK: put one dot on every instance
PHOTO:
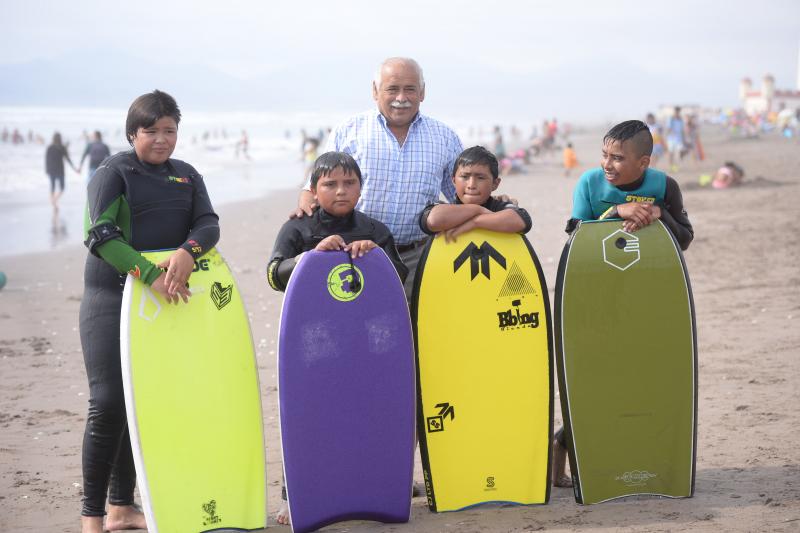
(596, 199)
(132, 206)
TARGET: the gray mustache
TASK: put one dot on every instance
(400, 105)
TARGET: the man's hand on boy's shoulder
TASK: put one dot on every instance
(637, 215)
(306, 205)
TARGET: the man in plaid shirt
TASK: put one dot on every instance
(406, 158)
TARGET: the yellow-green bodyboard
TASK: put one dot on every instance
(193, 403)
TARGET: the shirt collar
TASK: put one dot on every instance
(382, 119)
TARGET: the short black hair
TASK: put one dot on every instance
(149, 108)
(330, 161)
(477, 155)
(635, 131)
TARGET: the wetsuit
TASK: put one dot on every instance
(492, 204)
(596, 199)
(132, 206)
(54, 165)
(303, 234)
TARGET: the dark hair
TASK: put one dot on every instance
(635, 131)
(99, 135)
(477, 155)
(57, 139)
(330, 161)
(147, 109)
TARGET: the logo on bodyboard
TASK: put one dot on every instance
(635, 478)
(479, 259)
(345, 282)
(621, 250)
(490, 483)
(514, 318)
(221, 296)
(436, 423)
(210, 510)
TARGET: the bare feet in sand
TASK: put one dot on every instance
(91, 524)
(560, 478)
(282, 516)
(122, 517)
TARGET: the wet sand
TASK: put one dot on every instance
(744, 269)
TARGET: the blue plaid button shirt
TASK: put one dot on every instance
(399, 181)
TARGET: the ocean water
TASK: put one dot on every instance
(206, 140)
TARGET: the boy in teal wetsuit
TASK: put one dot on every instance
(625, 187)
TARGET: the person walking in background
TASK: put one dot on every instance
(96, 151)
(54, 167)
(657, 131)
(676, 139)
(570, 159)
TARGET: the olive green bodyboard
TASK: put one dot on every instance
(193, 403)
(627, 362)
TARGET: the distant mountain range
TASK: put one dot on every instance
(108, 78)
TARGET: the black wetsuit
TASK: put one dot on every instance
(132, 206)
(492, 204)
(303, 234)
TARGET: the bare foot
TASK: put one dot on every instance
(122, 517)
(282, 516)
(91, 524)
(560, 478)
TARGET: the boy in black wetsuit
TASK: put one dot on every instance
(475, 176)
(336, 225)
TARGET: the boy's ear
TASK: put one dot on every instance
(644, 162)
(495, 183)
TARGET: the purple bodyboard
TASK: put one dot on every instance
(346, 382)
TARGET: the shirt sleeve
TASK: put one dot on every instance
(674, 214)
(447, 187)
(523, 214)
(204, 232)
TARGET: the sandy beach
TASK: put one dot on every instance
(744, 265)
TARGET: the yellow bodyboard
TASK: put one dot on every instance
(483, 337)
(193, 403)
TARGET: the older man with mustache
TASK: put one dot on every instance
(406, 158)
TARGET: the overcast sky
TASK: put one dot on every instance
(572, 58)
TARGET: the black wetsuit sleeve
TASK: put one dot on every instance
(288, 245)
(674, 216)
(205, 222)
(423, 219)
(524, 215)
(106, 197)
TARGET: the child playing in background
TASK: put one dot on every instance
(570, 159)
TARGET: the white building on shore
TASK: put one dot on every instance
(767, 98)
